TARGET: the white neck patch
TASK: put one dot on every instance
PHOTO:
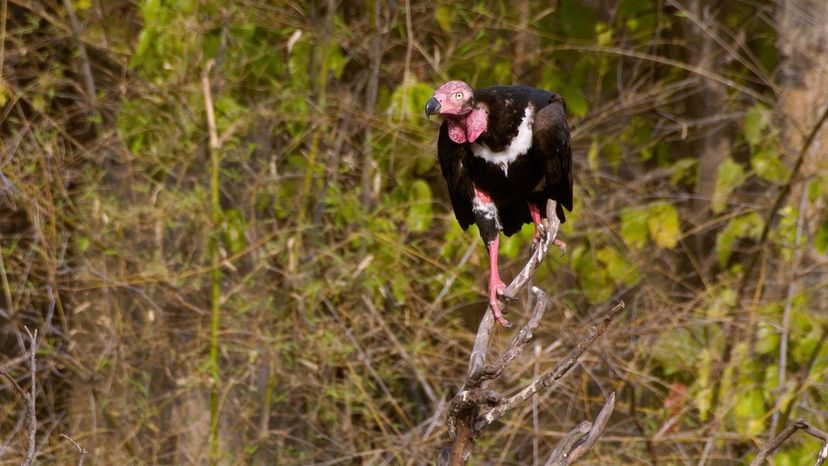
(521, 143)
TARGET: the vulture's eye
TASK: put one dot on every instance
(459, 95)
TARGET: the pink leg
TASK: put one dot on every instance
(496, 285)
(536, 219)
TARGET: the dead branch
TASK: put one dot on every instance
(545, 381)
(578, 441)
(777, 441)
(83, 452)
(464, 421)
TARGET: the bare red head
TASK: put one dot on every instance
(454, 98)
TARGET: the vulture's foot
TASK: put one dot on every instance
(498, 289)
(561, 245)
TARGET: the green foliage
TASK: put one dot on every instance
(658, 222)
(730, 176)
(600, 271)
(744, 226)
(765, 159)
(419, 213)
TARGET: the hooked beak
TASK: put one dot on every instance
(432, 107)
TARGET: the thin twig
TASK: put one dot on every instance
(777, 441)
(215, 260)
(81, 450)
(535, 435)
(404, 354)
(777, 204)
(747, 275)
(31, 399)
(804, 371)
(786, 314)
(86, 68)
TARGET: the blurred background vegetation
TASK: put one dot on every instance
(295, 289)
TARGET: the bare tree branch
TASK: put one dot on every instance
(567, 443)
(517, 345)
(81, 450)
(546, 380)
(464, 421)
(578, 442)
(777, 441)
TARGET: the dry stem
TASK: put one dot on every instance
(777, 441)
(30, 397)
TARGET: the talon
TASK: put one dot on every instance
(498, 316)
(561, 245)
(498, 288)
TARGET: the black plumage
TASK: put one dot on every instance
(504, 151)
(549, 160)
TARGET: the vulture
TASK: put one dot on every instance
(504, 151)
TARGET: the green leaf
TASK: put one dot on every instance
(409, 98)
(444, 14)
(634, 227)
(613, 153)
(766, 162)
(730, 176)
(757, 119)
(684, 171)
(594, 281)
(749, 413)
(659, 222)
(617, 267)
(576, 103)
(745, 226)
(83, 244)
(234, 230)
(419, 210)
(663, 223)
(821, 238)
(767, 339)
(592, 155)
(603, 34)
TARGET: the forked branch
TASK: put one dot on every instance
(464, 419)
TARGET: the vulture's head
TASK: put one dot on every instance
(454, 98)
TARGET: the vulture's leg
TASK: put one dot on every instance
(485, 212)
(496, 285)
(536, 219)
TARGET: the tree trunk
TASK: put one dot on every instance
(803, 76)
(712, 141)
